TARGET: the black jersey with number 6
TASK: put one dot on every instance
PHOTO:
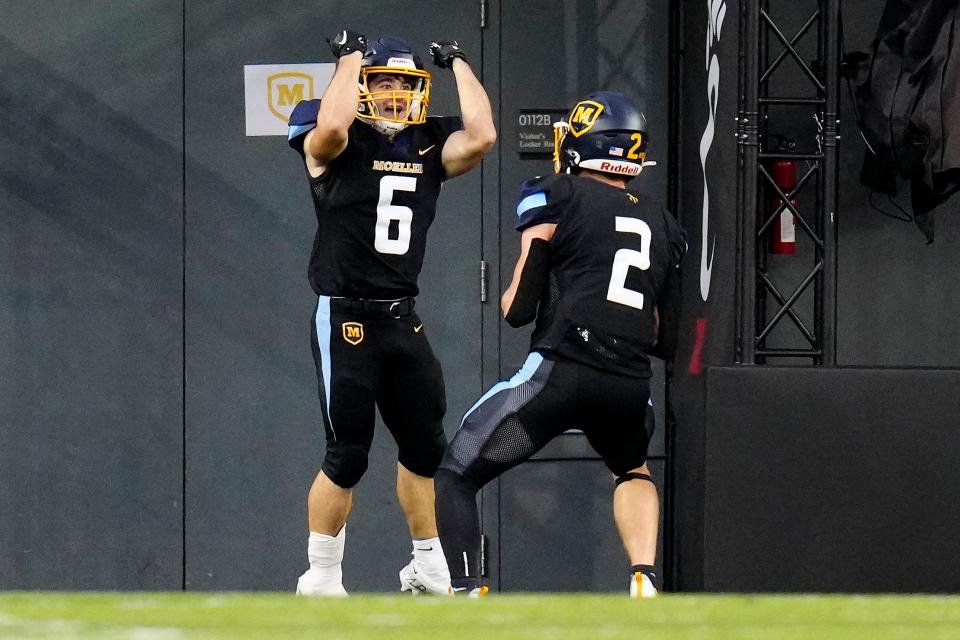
(374, 203)
(611, 255)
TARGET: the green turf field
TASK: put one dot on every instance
(161, 616)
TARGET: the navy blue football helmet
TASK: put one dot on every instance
(604, 132)
(393, 56)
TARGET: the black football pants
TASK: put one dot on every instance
(513, 421)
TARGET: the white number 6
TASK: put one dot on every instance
(388, 212)
(626, 258)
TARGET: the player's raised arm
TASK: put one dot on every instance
(338, 107)
(464, 149)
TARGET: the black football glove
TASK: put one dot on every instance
(345, 42)
(444, 52)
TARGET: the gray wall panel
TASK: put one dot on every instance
(91, 320)
(90, 296)
(255, 437)
(621, 46)
(585, 46)
(557, 531)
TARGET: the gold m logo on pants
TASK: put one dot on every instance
(353, 332)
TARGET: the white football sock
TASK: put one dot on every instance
(326, 554)
(428, 555)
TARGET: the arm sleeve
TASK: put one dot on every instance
(541, 201)
(533, 278)
(668, 306)
(670, 301)
(676, 237)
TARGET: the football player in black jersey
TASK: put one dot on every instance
(375, 163)
(598, 271)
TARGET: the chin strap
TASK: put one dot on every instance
(388, 127)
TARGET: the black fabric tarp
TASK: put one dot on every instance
(909, 105)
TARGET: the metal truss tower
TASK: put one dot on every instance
(774, 320)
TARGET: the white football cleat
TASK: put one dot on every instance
(641, 586)
(417, 580)
(311, 584)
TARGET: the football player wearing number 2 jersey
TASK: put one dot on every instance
(375, 163)
(598, 271)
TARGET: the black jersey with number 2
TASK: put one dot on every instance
(374, 203)
(611, 255)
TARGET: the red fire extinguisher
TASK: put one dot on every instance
(783, 231)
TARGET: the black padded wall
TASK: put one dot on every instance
(707, 66)
(90, 295)
(832, 480)
(896, 296)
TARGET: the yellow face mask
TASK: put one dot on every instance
(559, 133)
(391, 106)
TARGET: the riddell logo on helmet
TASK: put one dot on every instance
(619, 167)
(401, 62)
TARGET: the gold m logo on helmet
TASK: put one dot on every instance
(285, 90)
(353, 332)
(583, 116)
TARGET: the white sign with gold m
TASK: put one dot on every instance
(271, 91)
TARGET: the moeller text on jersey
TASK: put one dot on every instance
(399, 167)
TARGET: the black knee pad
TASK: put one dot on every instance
(627, 477)
(345, 464)
(424, 458)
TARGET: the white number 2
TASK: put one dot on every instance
(387, 212)
(626, 258)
